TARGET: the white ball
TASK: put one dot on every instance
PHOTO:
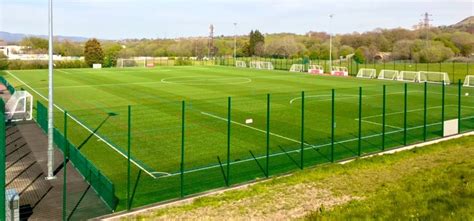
(467, 94)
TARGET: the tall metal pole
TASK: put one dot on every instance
(50, 96)
(330, 43)
(235, 41)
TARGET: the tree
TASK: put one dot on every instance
(464, 41)
(402, 50)
(256, 43)
(359, 56)
(3, 62)
(93, 53)
(111, 54)
(346, 50)
(435, 52)
(35, 44)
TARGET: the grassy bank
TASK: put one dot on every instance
(429, 183)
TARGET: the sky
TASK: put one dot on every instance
(119, 19)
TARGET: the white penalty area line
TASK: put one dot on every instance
(88, 129)
(299, 142)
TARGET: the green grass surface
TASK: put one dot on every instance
(427, 183)
(99, 99)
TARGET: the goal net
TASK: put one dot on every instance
(388, 75)
(261, 65)
(127, 63)
(19, 106)
(297, 68)
(367, 73)
(339, 71)
(434, 77)
(409, 76)
(240, 64)
(315, 69)
(469, 81)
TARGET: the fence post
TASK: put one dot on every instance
(332, 124)
(459, 105)
(384, 100)
(229, 103)
(453, 71)
(65, 156)
(442, 108)
(268, 135)
(2, 159)
(425, 105)
(360, 123)
(183, 109)
(129, 137)
(302, 130)
(405, 116)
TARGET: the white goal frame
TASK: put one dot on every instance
(409, 76)
(19, 107)
(427, 76)
(140, 62)
(315, 69)
(240, 64)
(469, 81)
(339, 71)
(367, 73)
(261, 65)
(384, 75)
(297, 68)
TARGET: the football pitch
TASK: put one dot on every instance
(239, 124)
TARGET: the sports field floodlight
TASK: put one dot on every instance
(330, 41)
(50, 94)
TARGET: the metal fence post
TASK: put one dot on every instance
(229, 103)
(332, 124)
(459, 105)
(302, 130)
(405, 116)
(360, 123)
(442, 108)
(268, 136)
(183, 109)
(383, 115)
(65, 156)
(129, 134)
(425, 111)
(2, 159)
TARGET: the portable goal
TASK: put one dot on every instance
(316, 69)
(261, 65)
(19, 107)
(339, 71)
(367, 73)
(409, 76)
(240, 64)
(388, 75)
(297, 68)
(469, 81)
(434, 77)
(127, 63)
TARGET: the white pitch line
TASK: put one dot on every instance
(379, 124)
(413, 110)
(85, 127)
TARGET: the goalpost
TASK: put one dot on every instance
(367, 73)
(388, 75)
(469, 81)
(19, 106)
(240, 64)
(339, 71)
(261, 65)
(315, 69)
(434, 77)
(297, 68)
(132, 62)
(409, 76)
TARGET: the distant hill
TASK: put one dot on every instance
(16, 37)
(466, 22)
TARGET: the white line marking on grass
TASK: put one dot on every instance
(104, 85)
(85, 127)
(409, 111)
(329, 95)
(213, 80)
(379, 124)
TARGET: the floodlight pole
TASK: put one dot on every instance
(235, 41)
(50, 95)
(330, 43)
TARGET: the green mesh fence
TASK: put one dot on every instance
(10, 88)
(101, 184)
(2, 157)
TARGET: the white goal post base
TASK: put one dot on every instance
(315, 69)
(469, 81)
(133, 62)
(339, 71)
(424, 76)
(388, 75)
(19, 107)
(367, 73)
(240, 64)
(297, 68)
(261, 65)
